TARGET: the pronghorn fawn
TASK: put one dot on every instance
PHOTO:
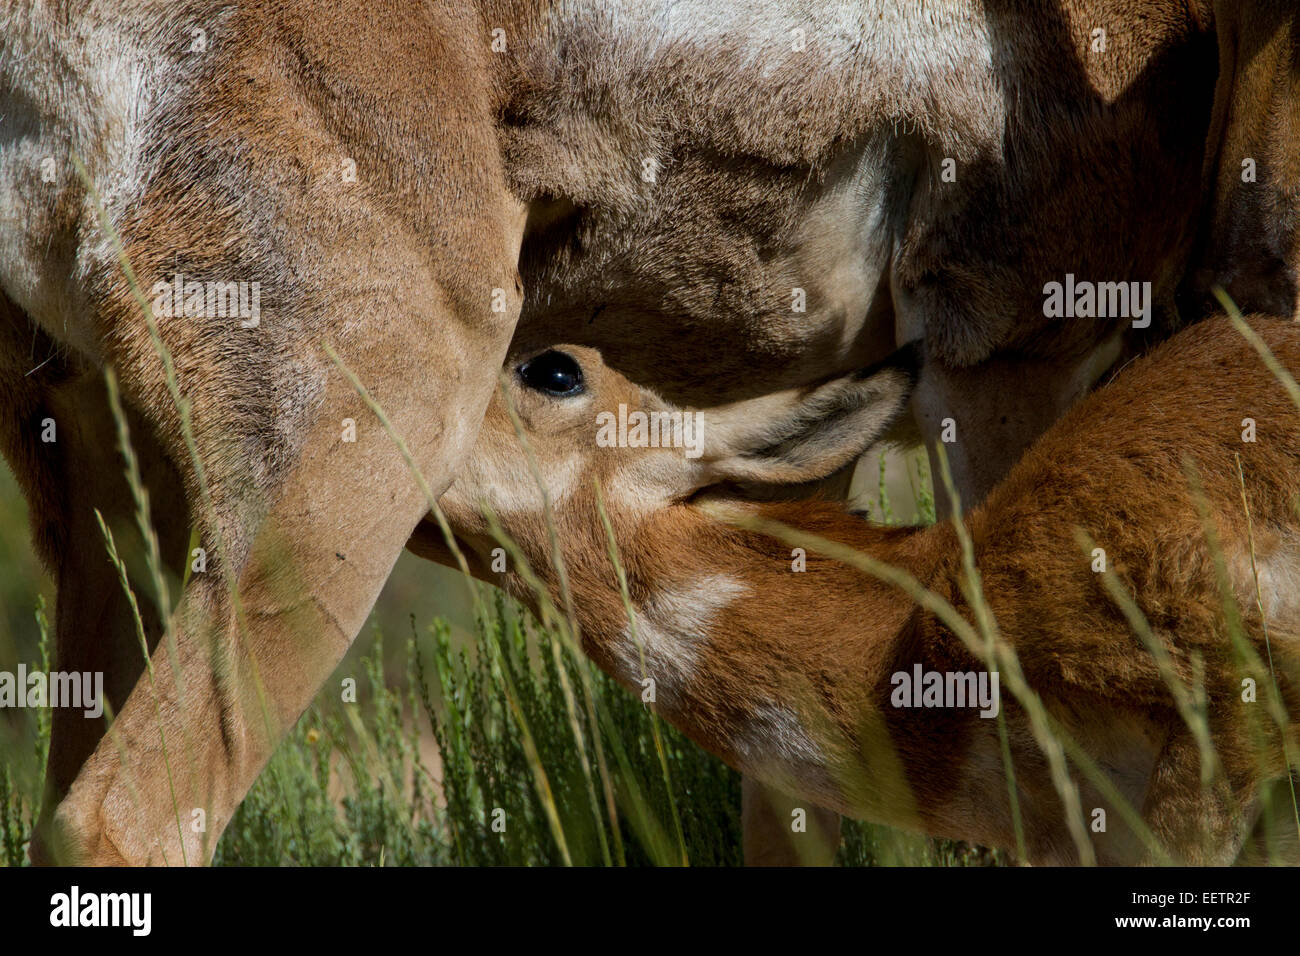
(814, 676)
(610, 172)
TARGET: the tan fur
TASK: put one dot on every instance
(240, 162)
(1249, 244)
(521, 172)
(791, 681)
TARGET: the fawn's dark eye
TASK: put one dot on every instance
(553, 373)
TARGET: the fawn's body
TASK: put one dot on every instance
(789, 675)
(781, 189)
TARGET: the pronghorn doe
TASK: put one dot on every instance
(1184, 471)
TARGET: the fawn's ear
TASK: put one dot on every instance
(802, 435)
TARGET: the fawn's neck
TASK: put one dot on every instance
(785, 664)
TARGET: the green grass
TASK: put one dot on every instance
(392, 813)
(399, 811)
(360, 782)
(466, 748)
(540, 760)
(530, 772)
(26, 744)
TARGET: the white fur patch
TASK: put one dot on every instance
(774, 745)
(671, 627)
(90, 86)
(1279, 583)
(846, 241)
(505, 482)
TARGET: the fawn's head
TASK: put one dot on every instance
(565, 421)
(565, 417)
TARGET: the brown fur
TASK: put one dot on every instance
(1067, 161)
(1250, 243)
(245, 183)
(824, 643)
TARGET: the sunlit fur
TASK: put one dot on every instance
(518, 178)
(789, 674)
